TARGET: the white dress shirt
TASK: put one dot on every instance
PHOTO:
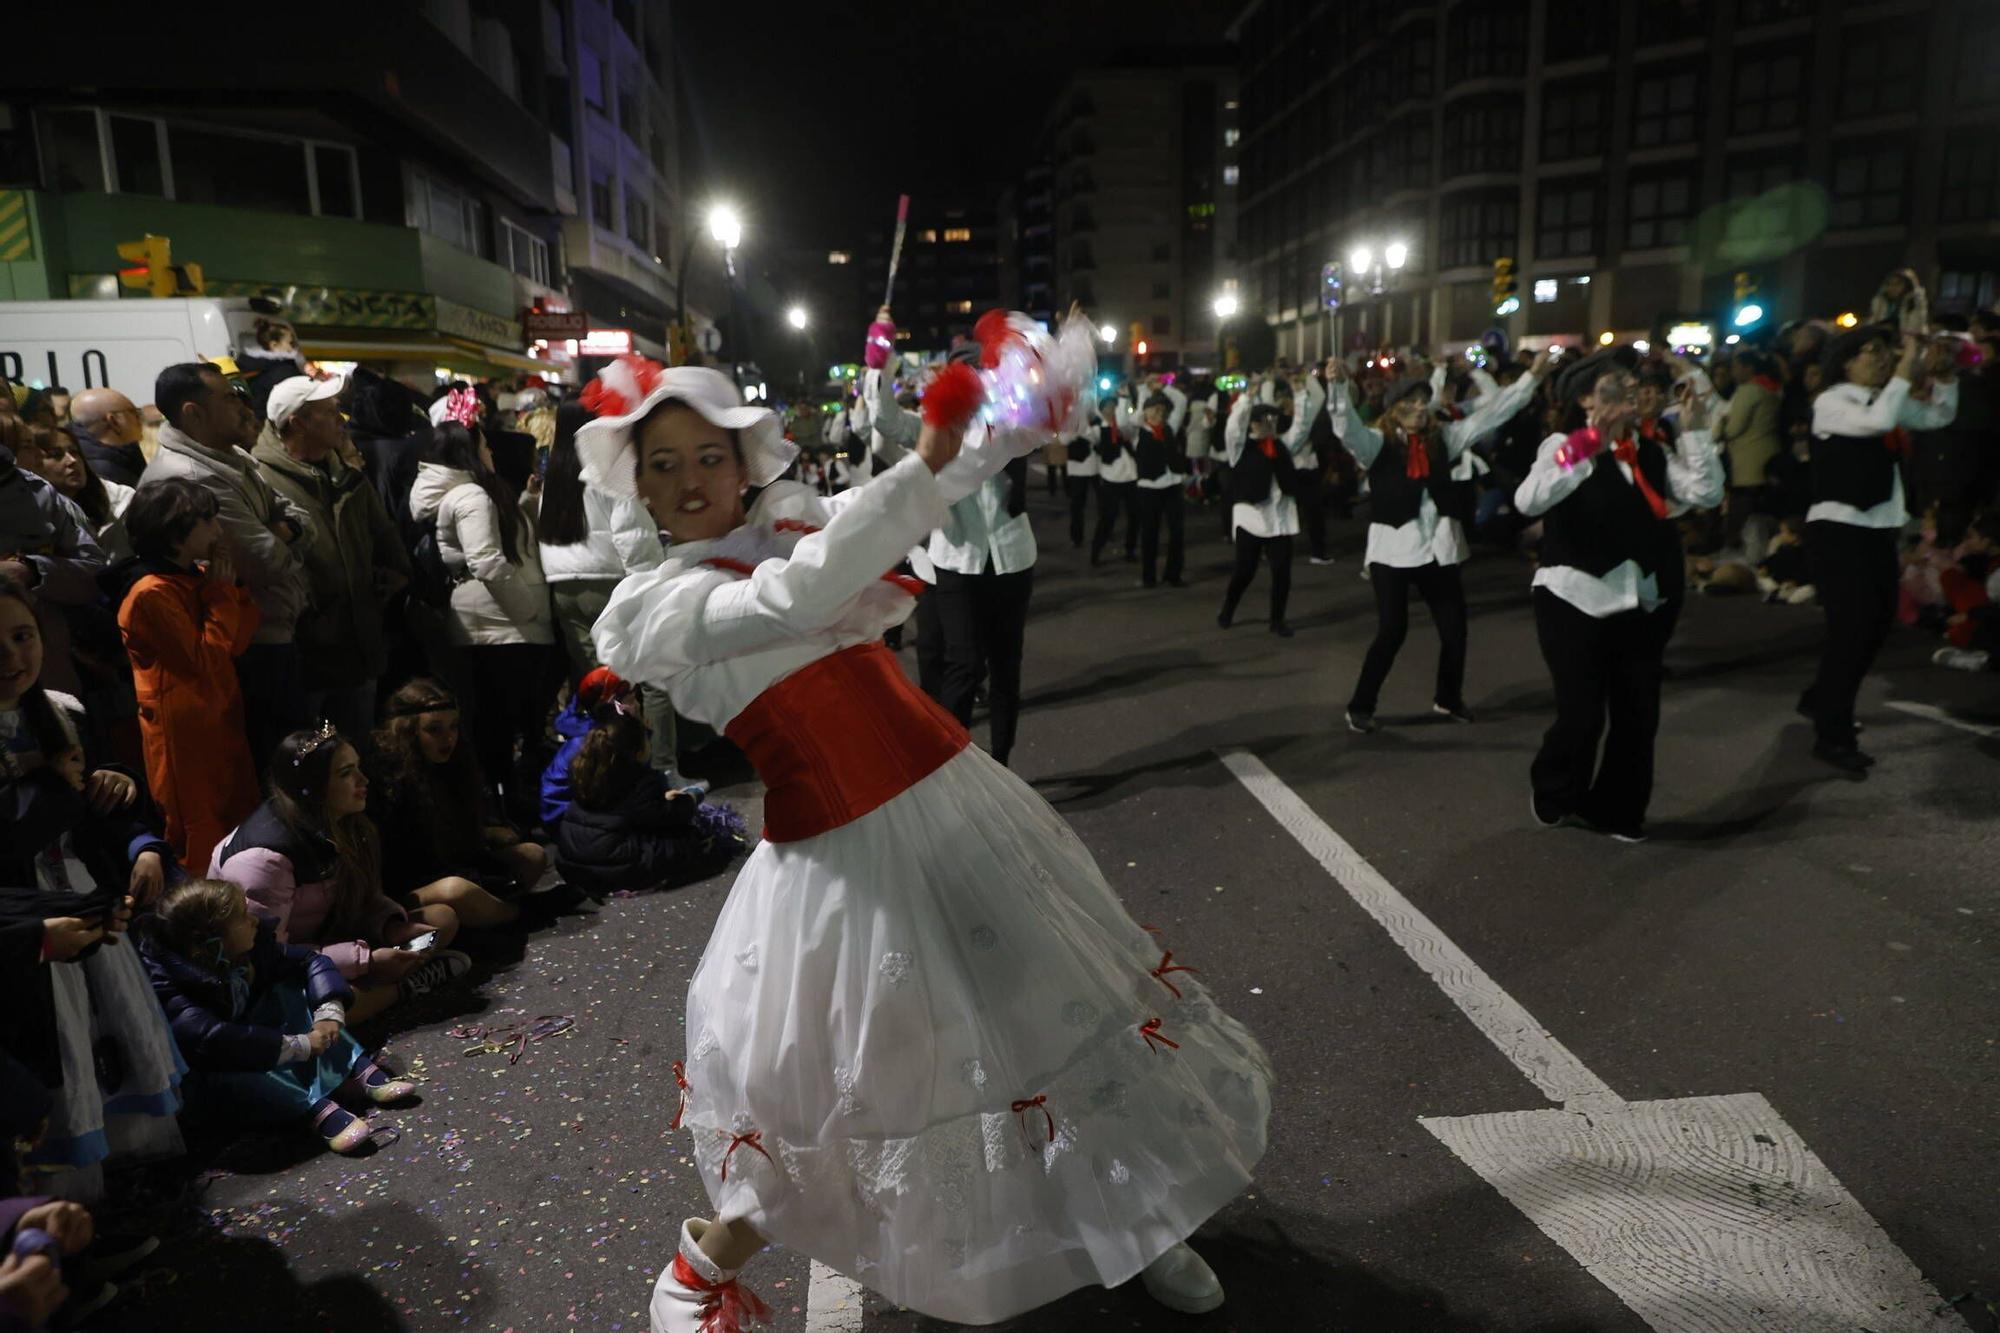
(1429, 536)
(1278, 515)
(1849, 409)
(1695, 480)
(979, 528)
(1133, 425)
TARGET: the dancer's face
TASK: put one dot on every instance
(690, 476)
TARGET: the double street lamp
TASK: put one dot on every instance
(1377, 267)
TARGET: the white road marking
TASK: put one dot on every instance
(833, 1302)
(1932, 713)
(1703, 1214)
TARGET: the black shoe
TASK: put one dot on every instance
(1281, 629)
(1545, 812)
(1456, 712)
(1363, 724)
(1847, 758)
(1224, 620)
(1634, 833)
(1805, 710)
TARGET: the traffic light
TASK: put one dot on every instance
(153, 269)
(1748, 311)
(1505, 299)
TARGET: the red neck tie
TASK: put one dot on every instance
(1269, 446)
(1897, 441)
(1627, 452)
(1417, 458)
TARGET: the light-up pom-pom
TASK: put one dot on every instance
(1578, 448)
(954, 397)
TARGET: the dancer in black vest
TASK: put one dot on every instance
(1417, 536)
(1604, 495)
(1117, 473)
(1080, 480)
(1263, 511)
(1860, 431)
(1163, 471)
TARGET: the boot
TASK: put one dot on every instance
(1181, 1280)
(694, 1295)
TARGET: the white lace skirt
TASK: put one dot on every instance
(934, 1022)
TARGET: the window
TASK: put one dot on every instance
(1231, 137)
(839, 257)
(524, 252)
(1660, 205)
(1750, 176)
(1476, 227)
(603, 211)
(1978, 55)
(1971, 178)
(959, 307)
(135, 154)
(1750, 13)
(1161, 325)
(337, 181)
(1163, 251)
(1963, 291)
(1880, 68)
(1229, 174)
(928, 235)
(1869, 180)
(1666, 108)
(1567, 218)
(590, 76)
(958, 233)
(663, 239)
(1672, 21)
(1769, 90)
(1578, 28)
(1162, 291)
(238, 171)
(1488, 40)
(638, 220)
(71, 159)
(445, 213)
(630, 113)
(1482, 134)
(1412, 65)
(1573, 120)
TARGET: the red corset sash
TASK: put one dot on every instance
(838, 738)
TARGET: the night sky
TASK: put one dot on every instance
(813, 127)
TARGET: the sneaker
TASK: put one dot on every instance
(1281, 629)
(1803, 595)
(1847, 758)
(435, 973)
(695, 787)
(344, 1132)
(1362, 724)
(1961, 659)
(1224, 620)
(1633, 835)
(1320, 560)
(696, 1295)
(1456, 712)
(1181, 1280)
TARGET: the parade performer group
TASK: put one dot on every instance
(926, 1044)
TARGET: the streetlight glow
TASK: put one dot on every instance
(1397, 254)
(1108, 334)
(1362, 259)
(796, 317)
(1606, 338)
(725, 226)
(1225, 305)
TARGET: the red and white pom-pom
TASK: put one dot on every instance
(621, 386)
(993, 331)
(954, 397)
(1038, 381)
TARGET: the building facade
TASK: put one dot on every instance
(949, 274)
(1630, 159)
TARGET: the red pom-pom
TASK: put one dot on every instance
(953, 397)
(645, 371)
(991, 331)
(603, 401)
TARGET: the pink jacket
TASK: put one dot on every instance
(264, 855)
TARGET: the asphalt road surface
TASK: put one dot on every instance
(1828, 944)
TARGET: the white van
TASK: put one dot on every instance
(123, 345)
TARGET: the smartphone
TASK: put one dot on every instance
(423, 943)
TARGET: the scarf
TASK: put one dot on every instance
(1416, 458)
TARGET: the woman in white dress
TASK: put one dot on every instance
(926, 1044)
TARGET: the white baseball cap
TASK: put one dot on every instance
(296, 392)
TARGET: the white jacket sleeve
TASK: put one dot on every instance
(1695, 475)
(897, 425)
(661, 623)
(984, 453)
(1177, 414)
(1236, 430)
(475, 526)
(1845, 409)
(1302, 416)
(1938, 412)
(1548, 483)
(635, 535)
(1355, 435)
(1128, 420)
(1494, 411)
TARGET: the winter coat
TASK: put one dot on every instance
(640, 841)
(289, 876)
(622, 539)
(183, 633)
(273, 568)
(492, 600)
(47, 532)
(1750, 432)
(353, 549)
(206, 1011)
(120, 463)
(572, 725)
(392, 461)
(423, 841)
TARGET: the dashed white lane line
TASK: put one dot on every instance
(1932, 713)
(1703, 1214)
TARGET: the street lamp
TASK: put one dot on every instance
(1225, 305)
(1107, 335)
(1363, 259)
(1397, 254)
(725, 226)
(797, 317)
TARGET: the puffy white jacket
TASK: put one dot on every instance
(623, 539)
(497, 602)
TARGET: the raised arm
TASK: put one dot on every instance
(1494, 411)
(1236, 430)
(1836, 413)
(1302, 419)
(1548, 482)
(1355, 435)
(897, 426)
(1176, 414)
(1937, 412)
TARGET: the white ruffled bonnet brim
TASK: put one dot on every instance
(625, 393)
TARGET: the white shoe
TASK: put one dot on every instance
(1320, 560)
(1181, 1280)
(696, 1295)
(1961, 659)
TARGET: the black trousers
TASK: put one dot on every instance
(510, 701)
(1080, 489)
(1150, 507)
(1114, 498)
(930, 645)
(1855, 571)
(1278, 550)
(273, 687)
(1058, 473)
(1606, 674)
(985, 618)
(1443, 589)
(1310, 491)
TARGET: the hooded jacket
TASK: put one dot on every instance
(493, 600)
(622, 539)
(572, 725)
(206, 1010)
(272, 568)
(640, 841)
(122, 463)
(352, 549)
(47, 532)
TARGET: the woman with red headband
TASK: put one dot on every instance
(926, 1044)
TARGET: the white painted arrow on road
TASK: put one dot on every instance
(1703, 1214)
